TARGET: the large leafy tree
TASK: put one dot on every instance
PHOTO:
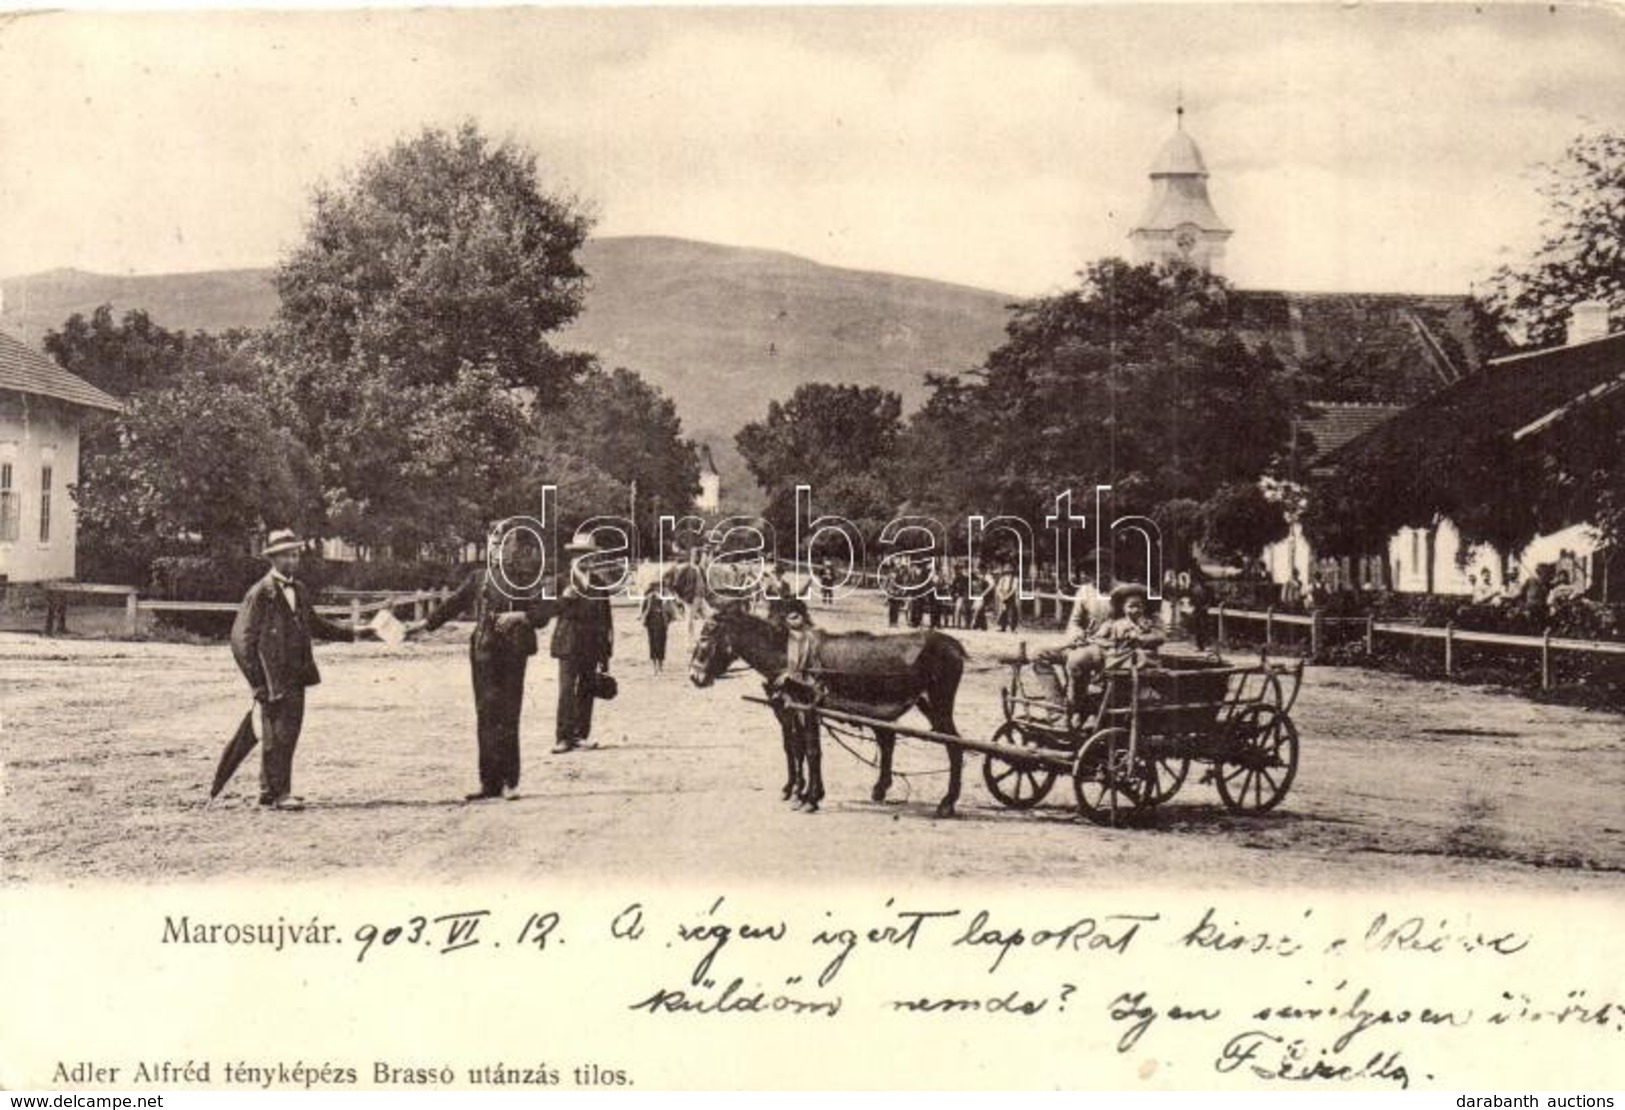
(196, 462)
(414, 345)
(840, 440)
(1581, 256)
(616, 431)
(442, 252)
(1136, 379)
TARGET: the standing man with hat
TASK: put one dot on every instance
(583, 640)
(499, 649)
(271, 642)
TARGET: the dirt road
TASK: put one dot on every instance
(108, 749)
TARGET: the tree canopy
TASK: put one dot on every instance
(841, 440)
(1581, 255)
(1136, 379)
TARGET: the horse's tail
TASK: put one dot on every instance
(958, 648)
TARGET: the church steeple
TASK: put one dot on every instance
(1180, 224)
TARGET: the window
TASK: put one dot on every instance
(10, 506)
(45, 504)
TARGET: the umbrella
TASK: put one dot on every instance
(236, 751)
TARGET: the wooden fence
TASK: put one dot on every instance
(1449, 636)
(357, 605)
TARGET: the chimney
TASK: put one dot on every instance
(1587, 320)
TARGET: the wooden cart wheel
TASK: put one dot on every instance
(1107, 788)
(1259, 760)
(1015, 782)
(1167, 775)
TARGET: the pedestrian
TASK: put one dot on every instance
(271, 641)
(891, 585)
(499, 650)
(982, 598)
(959, 597)
(1292, 591)
(656, 617)
(583, 641)
(826, 582)
(1007, 596)
(1201, 597)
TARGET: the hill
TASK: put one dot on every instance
(722, 330)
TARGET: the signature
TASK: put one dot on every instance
(1269, 1056)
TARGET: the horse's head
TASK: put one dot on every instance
(713, 650)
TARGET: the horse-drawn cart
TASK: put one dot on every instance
(1134, 746)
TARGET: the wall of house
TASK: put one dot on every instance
(34, 433)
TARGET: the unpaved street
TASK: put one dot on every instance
(108, 749)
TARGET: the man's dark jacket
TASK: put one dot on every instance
(585, 628)
(272, 642)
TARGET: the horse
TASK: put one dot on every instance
(877, 676)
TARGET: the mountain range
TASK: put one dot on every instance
(722, 330)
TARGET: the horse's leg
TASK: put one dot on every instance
(813, 746)
(886, 740)
(956, 763)
(792, 761)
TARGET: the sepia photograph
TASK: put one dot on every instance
(965, 547)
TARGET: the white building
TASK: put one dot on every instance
(710, 498)
(41, 406)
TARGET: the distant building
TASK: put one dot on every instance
(1180, 225)
(41, 407)
(710, 498)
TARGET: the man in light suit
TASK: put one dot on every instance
(271, 641)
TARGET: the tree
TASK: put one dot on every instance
(413, 337)
(840, 440)
(1581, 256)
(197, 462)
(619, 427)
(1136, 379)
(121, 358)
(1240, 521)
(442, 252)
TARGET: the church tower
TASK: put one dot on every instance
(1179, 223)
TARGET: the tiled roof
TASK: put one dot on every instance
(1413, 344)
(1335, 424)
(25, 370)
(1507, 395)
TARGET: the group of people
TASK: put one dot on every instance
(1551, 584)
(958, 596)
(276, 624)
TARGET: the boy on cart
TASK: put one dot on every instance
(1111, 645)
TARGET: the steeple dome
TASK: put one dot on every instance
(1179, 224)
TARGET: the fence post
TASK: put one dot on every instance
(1370, 633)
(1218, 634)
(1546, 659)
(132, 614)
(1317, 632)
(1269, 629)
(355, 612)
(417, 605)
(1449, 648)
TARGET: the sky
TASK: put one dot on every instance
(1368, 147)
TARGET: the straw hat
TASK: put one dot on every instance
(1121, 594)
(283, 539)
